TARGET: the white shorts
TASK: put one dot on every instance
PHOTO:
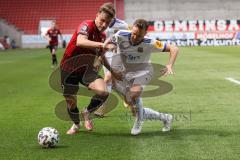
(114, 60)
(141, 78)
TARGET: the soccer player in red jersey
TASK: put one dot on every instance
(52, 37)
(77, 65)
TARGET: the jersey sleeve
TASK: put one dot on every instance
(115, 38)
(159, 45)
(84, 29)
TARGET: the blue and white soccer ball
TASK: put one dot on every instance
(48, 137)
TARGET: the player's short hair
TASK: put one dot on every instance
(107, 8)
(141, 24)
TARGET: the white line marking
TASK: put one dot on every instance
(233, 80)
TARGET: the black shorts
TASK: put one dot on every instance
(70, 81)
(51, 47)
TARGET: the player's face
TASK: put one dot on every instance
(102, 21)
(53, 25)
(137, 35)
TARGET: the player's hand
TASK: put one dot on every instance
(48, 39)
(110, 47)
(167, 71)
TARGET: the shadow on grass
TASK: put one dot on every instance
(54, 148)
(174, 134)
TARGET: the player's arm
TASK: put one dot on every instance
(83, 31)
(111, 43)
(83, 41)
(107, 46)
(46, 36)
(60, 35)
(173, 52)
(116, 74)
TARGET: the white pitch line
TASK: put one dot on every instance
(233, 80)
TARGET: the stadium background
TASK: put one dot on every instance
(205, 105)
(170, 20)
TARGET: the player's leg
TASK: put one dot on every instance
(150, 114)
(70, 88)
(108, 80)
(73, 112)
(51, 51)
(101, 95)
(54, 56)
(146, 113)
(137, 107)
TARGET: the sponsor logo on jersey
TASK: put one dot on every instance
(131, 58)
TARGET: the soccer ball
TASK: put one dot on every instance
(48, 137)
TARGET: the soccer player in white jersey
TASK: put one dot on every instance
(113, 28)
(135, 49)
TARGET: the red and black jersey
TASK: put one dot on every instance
(53, 34)
(75, 56)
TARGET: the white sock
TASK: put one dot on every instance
(150, 114)
(139, 105)
(109, 87)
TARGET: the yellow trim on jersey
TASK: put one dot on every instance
(158, 44)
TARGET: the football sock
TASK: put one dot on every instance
(109, 87)
(150, 114)
(139, 105)
(96, 102)
(54, 59)
(74, 114)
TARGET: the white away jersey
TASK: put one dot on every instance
(115, 26)
(135, 57)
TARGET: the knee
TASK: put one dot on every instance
(108, 77)
(103, 94)
(134, 96)
(135, 92)
(71, 101)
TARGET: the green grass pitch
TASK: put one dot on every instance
(205, 106)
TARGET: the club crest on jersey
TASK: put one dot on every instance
(140, 49)
(84, 29)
